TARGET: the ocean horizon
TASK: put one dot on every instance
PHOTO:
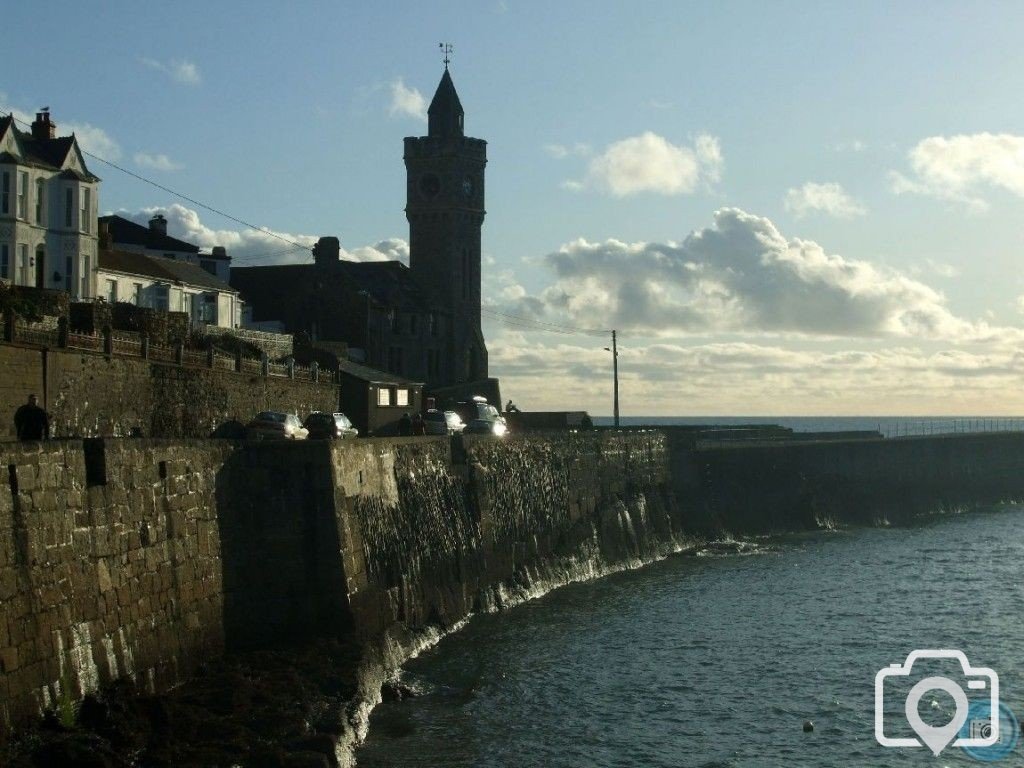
(888, 426)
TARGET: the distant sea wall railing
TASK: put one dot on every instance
(55, 333)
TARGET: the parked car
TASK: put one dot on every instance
(494, 428)
(271, 425)
(481, 418)
(443, 422)
(330, 426)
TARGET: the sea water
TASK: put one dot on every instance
(717, 658)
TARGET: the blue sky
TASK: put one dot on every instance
(854, 175)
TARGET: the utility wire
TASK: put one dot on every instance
(184, 197)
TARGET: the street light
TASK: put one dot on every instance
(614, 349)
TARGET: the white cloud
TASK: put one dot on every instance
(742, 276)
(856, 145)
(562, 151)
(90, 138)
(179, 70)
(743, 378)
(93, 139)
(959, 168)
(158, 162)
(829, 198)
(248, 247)
(651, 163)
(406, 101)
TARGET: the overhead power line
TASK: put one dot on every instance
(186, 198)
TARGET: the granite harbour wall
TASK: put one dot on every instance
(91, 395)
(142, 558)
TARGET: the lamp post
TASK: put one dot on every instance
(614, 349)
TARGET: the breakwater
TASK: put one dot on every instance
(143, 558)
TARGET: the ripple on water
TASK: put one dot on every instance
(716, 661)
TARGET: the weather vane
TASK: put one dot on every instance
(447, 49)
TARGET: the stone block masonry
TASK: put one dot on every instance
(92, 395)
(141, 558)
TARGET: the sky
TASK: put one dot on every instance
(783, 208)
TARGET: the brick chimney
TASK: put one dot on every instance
(42, 128)
(158, 224)
(327, 251)
(219, 252)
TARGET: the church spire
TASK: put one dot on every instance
(445, 115)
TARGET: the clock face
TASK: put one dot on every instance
(430, 185)
(467, 187)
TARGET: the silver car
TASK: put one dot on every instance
(274, 425)
(442, 422)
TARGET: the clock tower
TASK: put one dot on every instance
(445, 209)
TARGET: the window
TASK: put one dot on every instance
(433, 324)
(383, 396)
(393, 320)
(69, 273)
(401, 397)
(5, 193)
(139, 296)
(23, 266)
(160, 298)
(23, 195)
(85, 216)
(5, 262)
(86, 274)
(69, 207)
(412, 324)
(40, 191)
(111, 291)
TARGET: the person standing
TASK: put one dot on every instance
(419, 426)
(31, 422)
(404, 425)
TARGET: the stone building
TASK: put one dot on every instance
(48, 204)
(422, 321)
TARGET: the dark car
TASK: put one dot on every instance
(329, 426)
(481, 418)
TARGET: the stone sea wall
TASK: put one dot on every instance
(805, 485)
(143, 558)
(90, 395)
(109, 567)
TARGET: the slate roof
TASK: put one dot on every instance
(446, 99)
(372, 375)
(444, 116)
(125, 232)
(47, 153)
(159, 268)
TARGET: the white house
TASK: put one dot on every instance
(126, 235)
(48, 204)
(167, 284)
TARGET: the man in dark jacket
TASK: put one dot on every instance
(31, 421)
